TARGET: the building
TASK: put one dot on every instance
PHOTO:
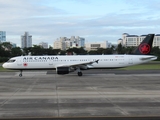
(26, 40)
(2, 36)
(64, 43)
(134, 40)
(156, 40)
(120, 40)
(96, 45)
(3, 39)
(77, 41)
(124, 35)
(44, 45)
(60, 43)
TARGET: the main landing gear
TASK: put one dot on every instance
(20, 74)
(79, 73)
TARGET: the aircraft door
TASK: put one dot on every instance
(130, 60)
(50, 62)
(19, 62)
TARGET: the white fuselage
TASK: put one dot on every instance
(52, 62)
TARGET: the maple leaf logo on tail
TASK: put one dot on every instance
(144, 48)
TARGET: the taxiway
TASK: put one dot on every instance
(44, 94)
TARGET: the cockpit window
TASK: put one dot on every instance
(11, 61)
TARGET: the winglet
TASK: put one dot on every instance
(97, 61)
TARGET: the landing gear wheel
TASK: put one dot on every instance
(20, 75)
(80, 74)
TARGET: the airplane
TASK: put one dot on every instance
(66, 64)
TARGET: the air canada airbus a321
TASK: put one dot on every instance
(67, 64)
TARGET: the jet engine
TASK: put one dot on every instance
(64, 70)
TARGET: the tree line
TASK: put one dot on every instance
(7, 51)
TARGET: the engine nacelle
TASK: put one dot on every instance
(63, 70)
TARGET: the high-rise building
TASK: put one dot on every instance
(26, 40)
(80, 41)
(60, 43)
(2, 36)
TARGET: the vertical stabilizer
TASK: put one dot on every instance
(145, 47)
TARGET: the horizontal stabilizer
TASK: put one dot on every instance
(148, 58)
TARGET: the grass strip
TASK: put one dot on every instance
(143, 67)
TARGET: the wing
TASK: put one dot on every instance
(79, 65)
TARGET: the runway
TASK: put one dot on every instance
(95, 95)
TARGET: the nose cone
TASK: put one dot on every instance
(4, 65)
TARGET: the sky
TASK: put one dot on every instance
(94, 20)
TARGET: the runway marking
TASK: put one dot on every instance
(104, 96)
(57, 96)
(32, 86)
(9, 97)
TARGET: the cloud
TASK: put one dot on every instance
(49, 20)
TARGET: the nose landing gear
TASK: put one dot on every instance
(20, 74)
(80, 73)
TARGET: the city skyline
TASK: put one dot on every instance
(26, 40)
(90, 19)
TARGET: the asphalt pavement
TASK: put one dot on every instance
(97, 95)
